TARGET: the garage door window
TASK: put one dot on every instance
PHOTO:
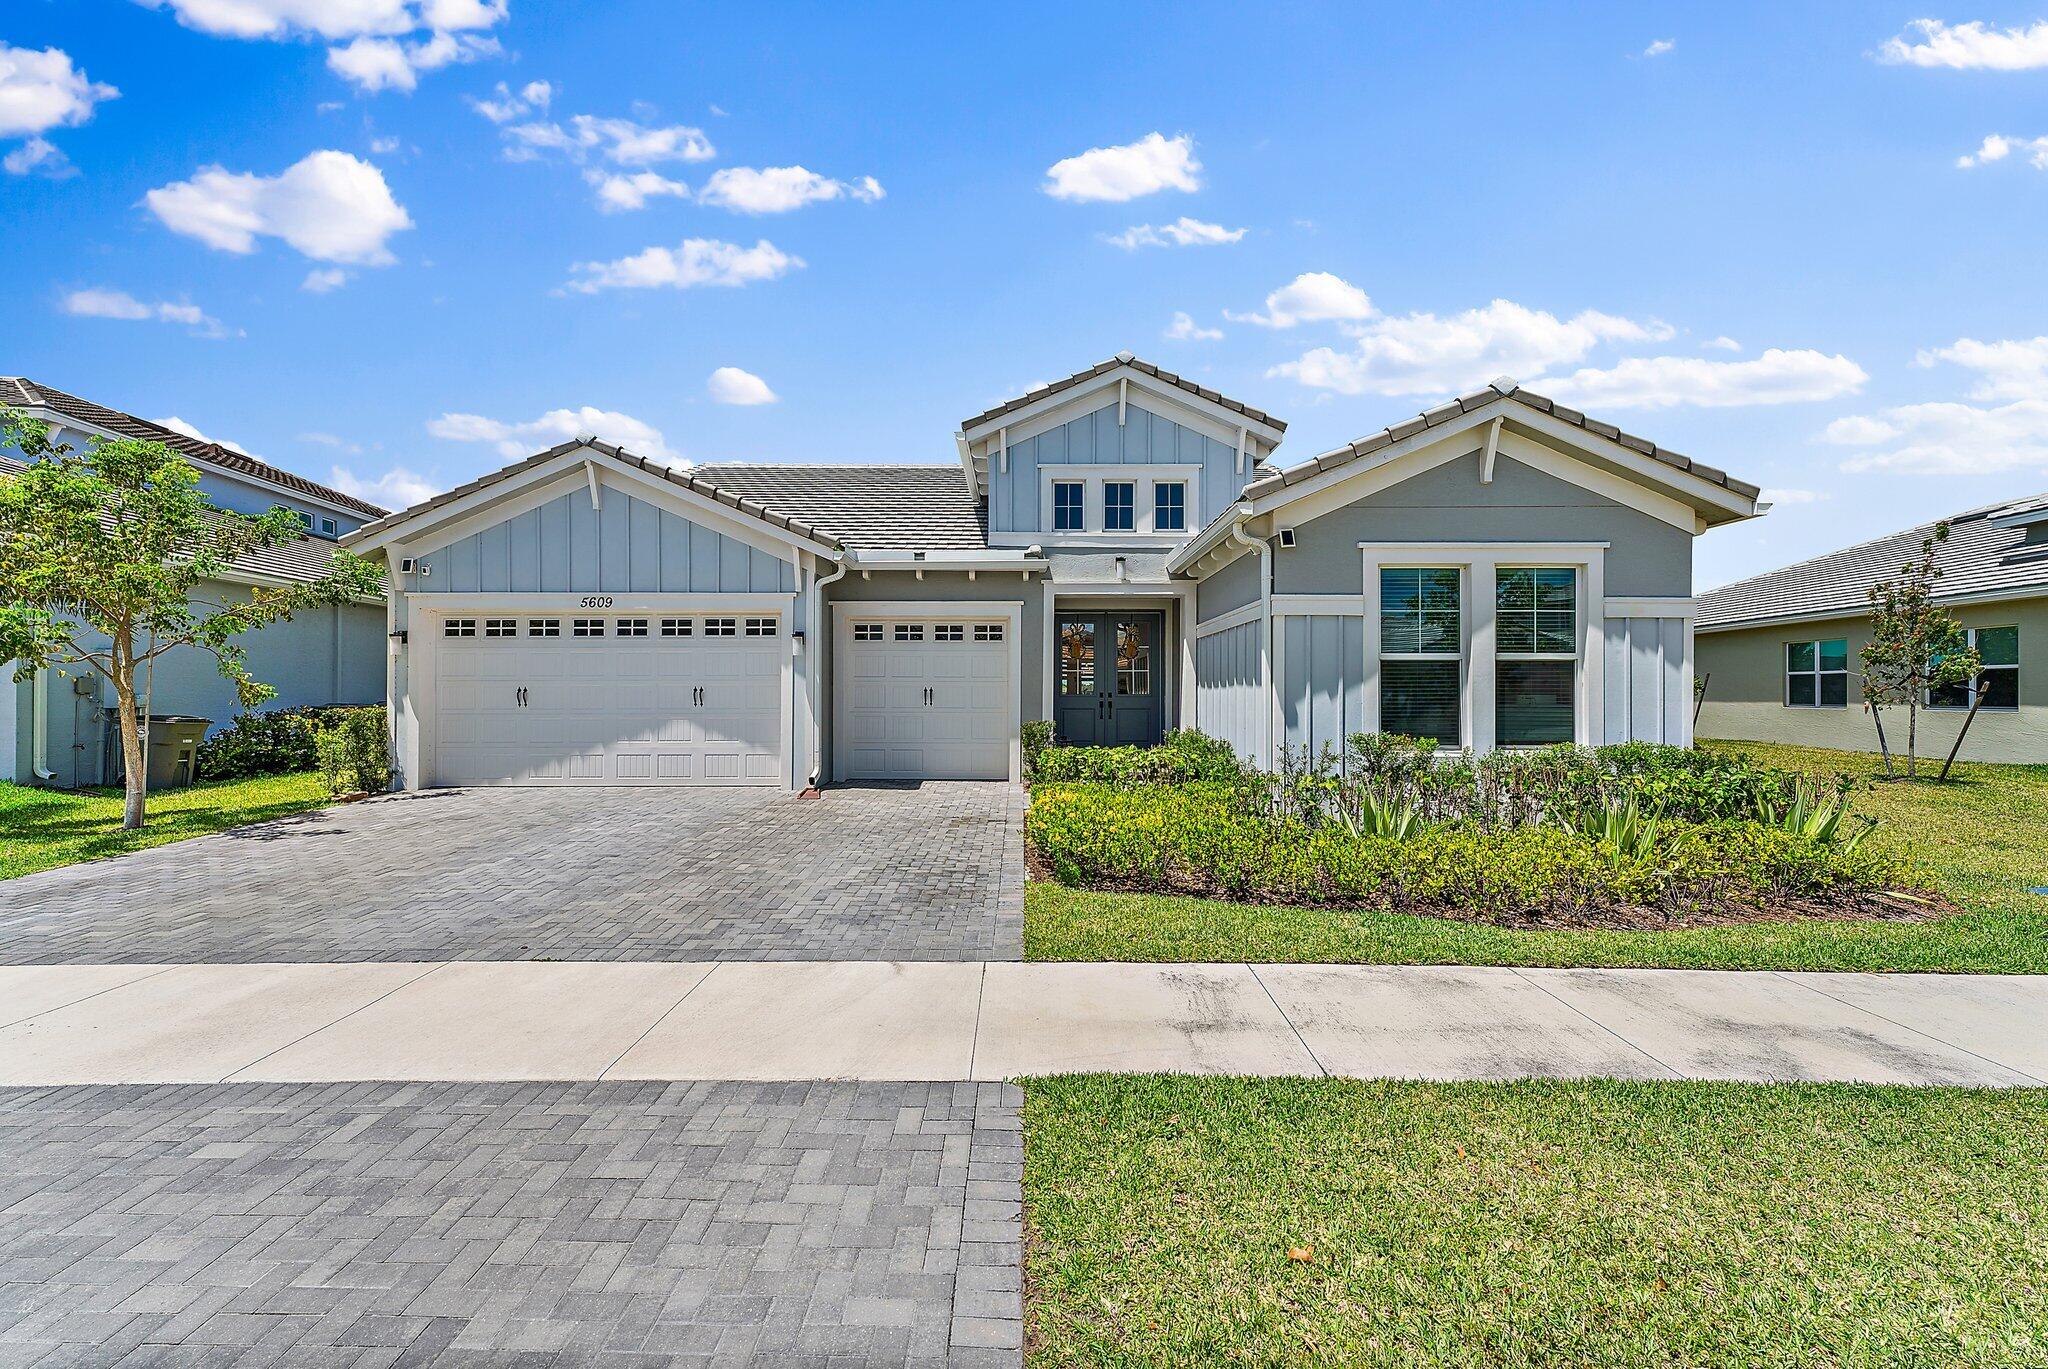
(761, 627)
(677, 627)
(543, 627)
(721, 627)
(501, 627)
(988, 632)
(459, 627)
(910, 632)
(631, 627)
(949, 632)
(867, 632)
(586, 627)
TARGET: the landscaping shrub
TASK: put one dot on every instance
(1182, 758)
(353, 753)
(1035, 737)
(278, 742)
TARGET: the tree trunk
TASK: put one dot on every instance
(1913, 735)
(1884, 748)
(134, 770)
(1977, 693)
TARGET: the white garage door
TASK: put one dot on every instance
(925, 698)
(580, 699)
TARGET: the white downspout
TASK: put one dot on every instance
(1267, 703)
(820, 701)
(40, 727)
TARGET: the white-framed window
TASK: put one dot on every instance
(721, 627)
(988, 632)
(1998, 672)
(761, 627)
(1536, 649)
(1422, 652)
(910, 632)
(501, 627)
(458, 627)
(328, 527)
(678, 627)
(1069, 506)
(586, 627)
(949, 632)
(305, 519)
(1817, 673)
(631, 627)
(1170, 506)
(867, 632)
(543, 627)
(1119, 506)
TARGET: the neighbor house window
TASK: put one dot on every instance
(1998, 650)
(1119, 506)
(1170, 506)
(1421, 650)
(1536, 616)
(327, 527)
(1817, 673)
(1069, 501)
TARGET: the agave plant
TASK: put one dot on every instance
(1815, 815)
(1624, 827)
(1381, 815)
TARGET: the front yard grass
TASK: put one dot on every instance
(1533, 1223)
(41, 829)
(1983, 837)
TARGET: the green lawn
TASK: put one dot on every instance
(1536, 1223)
(1983, 838)
(44, 828)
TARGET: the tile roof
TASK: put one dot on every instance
(687, 479)
(867, 506)
(20, 392)
(1136, 364)
(1500, 389)
(1980, 557)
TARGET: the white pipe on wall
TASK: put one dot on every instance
(813, 671)
(40, 724)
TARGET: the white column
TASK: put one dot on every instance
(1592, 670)
(1480, 651)
(1369, 694)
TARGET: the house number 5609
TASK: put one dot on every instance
(597, 601)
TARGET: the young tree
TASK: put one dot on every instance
(102, 557)
(1915, 648)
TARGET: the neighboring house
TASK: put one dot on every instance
(1114, 552)
(1780, 654)
(59, 728)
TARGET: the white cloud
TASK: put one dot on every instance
(779, 189)
(731, 385)
(329, 205)
(1660, 46)
(1182, 232)
(1424, 354)
(389, 42)
(695, 261)
(1791, 496)
(119, 304)
(1777, 376)
(41, 90)
(2016, 368)
(179, 425)
(1312, 297)
(397, 488)
(374, 64)
(330, 440)
(286, 18)
(1724, 343)
(1968, 47)
(1153, 163)
(1185, 329)
(534, 95)
(1996, 147)
(622, 142)
(384, 146)
(554, 426)
(322, 279)
(1947, 438)
(618, 192)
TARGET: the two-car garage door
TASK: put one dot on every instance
(565, 699)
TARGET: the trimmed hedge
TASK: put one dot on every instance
(279, 742)
(1182, 758)
(1211, 840)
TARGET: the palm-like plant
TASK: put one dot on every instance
(1815, 815)
(1381, 815)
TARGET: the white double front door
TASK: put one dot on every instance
(593, 699)
(924, 697)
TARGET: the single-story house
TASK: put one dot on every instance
(59, 728)
(1780, 654)
(1116, 552)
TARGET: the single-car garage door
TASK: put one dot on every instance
(925, 698)
(587, 699)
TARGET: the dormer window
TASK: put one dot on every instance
(1170, 506)
(319, 523)
(1069, 506)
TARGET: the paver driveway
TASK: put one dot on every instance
(929, 872)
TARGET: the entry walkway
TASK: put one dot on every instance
(879, 1020)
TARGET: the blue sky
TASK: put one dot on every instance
(388, 242)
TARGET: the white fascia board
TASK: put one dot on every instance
(1648, 470)
(1651, 606)
(1206, 540)
(1213, 420)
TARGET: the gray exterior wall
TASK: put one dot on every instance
(1233, 586)
(565, 546)
(1229, 703)
(1744, 669)
(1322, 681)
(1144, 438)
(1646, 555)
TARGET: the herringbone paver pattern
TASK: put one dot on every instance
(929, 872)
(507, 1224)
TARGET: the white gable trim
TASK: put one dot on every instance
(1134, 386)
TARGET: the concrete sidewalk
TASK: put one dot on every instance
(876, 1020)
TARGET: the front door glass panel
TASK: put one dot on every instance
(1077, 658)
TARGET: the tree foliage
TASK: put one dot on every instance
(1916, 647)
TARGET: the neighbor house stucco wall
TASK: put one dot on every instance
(1096, 438)
(1744, 674)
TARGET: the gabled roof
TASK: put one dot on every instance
(1010, 406)
(22, 393)
(1984, 556)
(684, 478)
(866, 506)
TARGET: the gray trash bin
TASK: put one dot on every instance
(174, 749)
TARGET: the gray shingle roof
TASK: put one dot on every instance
(1980, 557)
(687, 479)
(19, 392)
(1464, 404)
(1136, 364)
(867, 506)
